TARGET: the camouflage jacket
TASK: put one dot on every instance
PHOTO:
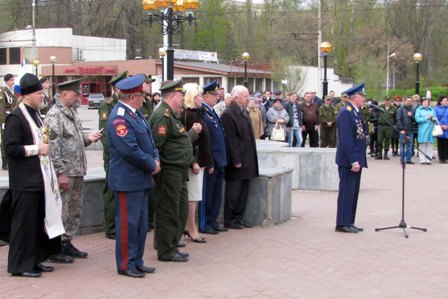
(327, 114)
(67, 140)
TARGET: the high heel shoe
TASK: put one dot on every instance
(199, 239)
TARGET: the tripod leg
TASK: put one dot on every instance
(419, 228)
(384, 228)
(405, 233)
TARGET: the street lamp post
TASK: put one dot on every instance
(162, 54)
(325, 48)
(36, 65)
(246, 57)
(389, 57)
(417, 58)
(171, 18)
(53, 81)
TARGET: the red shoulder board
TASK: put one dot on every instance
(121, 130)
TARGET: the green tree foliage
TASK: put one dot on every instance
(275, 32)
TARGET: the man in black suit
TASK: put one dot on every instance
(243, 161)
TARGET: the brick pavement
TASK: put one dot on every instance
(302, 258)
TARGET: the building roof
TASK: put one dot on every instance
(228, 70)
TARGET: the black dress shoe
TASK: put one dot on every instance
(42, 268)
(144, 269)
(245, 224)
(69, 249)
(179, 245)
(184, 254)
(346, 229)
(234, 226)
(210, 231)
(221, 229)
(360, 229)
(111, 236)
(61, 259)
(131, 273)
(3, 243)
(175, 258)
(33, 274)
(410, 162)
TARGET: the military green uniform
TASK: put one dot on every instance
(8, 102)
(327, 133)
(338, 107)
(108, 195)
(147, 108)
(386, 120)
(176, 155)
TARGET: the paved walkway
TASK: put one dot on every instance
(302, 258)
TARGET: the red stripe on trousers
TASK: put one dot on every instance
(123, 231)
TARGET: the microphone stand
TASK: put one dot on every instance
(403, 225)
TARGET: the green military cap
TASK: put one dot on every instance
(70, 85)
(118, 78)
(170, 86)
(149, 79)
(326, 98)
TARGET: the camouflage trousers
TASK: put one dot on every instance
(72, 207)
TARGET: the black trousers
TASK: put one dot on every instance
(314, 136)
(29, 244)
(235, 200)
(442, 149)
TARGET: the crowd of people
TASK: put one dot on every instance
(166, 161)
(402, 126)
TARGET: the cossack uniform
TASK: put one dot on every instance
(133, 156)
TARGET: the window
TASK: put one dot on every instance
(190, 80)
(2, 56)
(14, 56)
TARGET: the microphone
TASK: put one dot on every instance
(370, 105)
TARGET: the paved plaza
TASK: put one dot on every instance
(302, 258)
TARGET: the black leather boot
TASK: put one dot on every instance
(379, 155)
(385, 155)
(4, 163)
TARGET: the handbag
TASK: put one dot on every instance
(437, 130)
(278, 133)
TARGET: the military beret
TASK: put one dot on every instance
(43, 80)
(277, 92)
(73, 85)
(357, 89)
(132, 84)
(118, 78)
(29, 84)
(8, 77)
(170, 86)
(211, 88)
(149, 79)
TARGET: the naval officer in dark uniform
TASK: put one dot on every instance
(350, 158)
(133, 160)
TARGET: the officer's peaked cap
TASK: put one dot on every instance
(357, 89)
(118, 78)
(132, 84)
(211, 88)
